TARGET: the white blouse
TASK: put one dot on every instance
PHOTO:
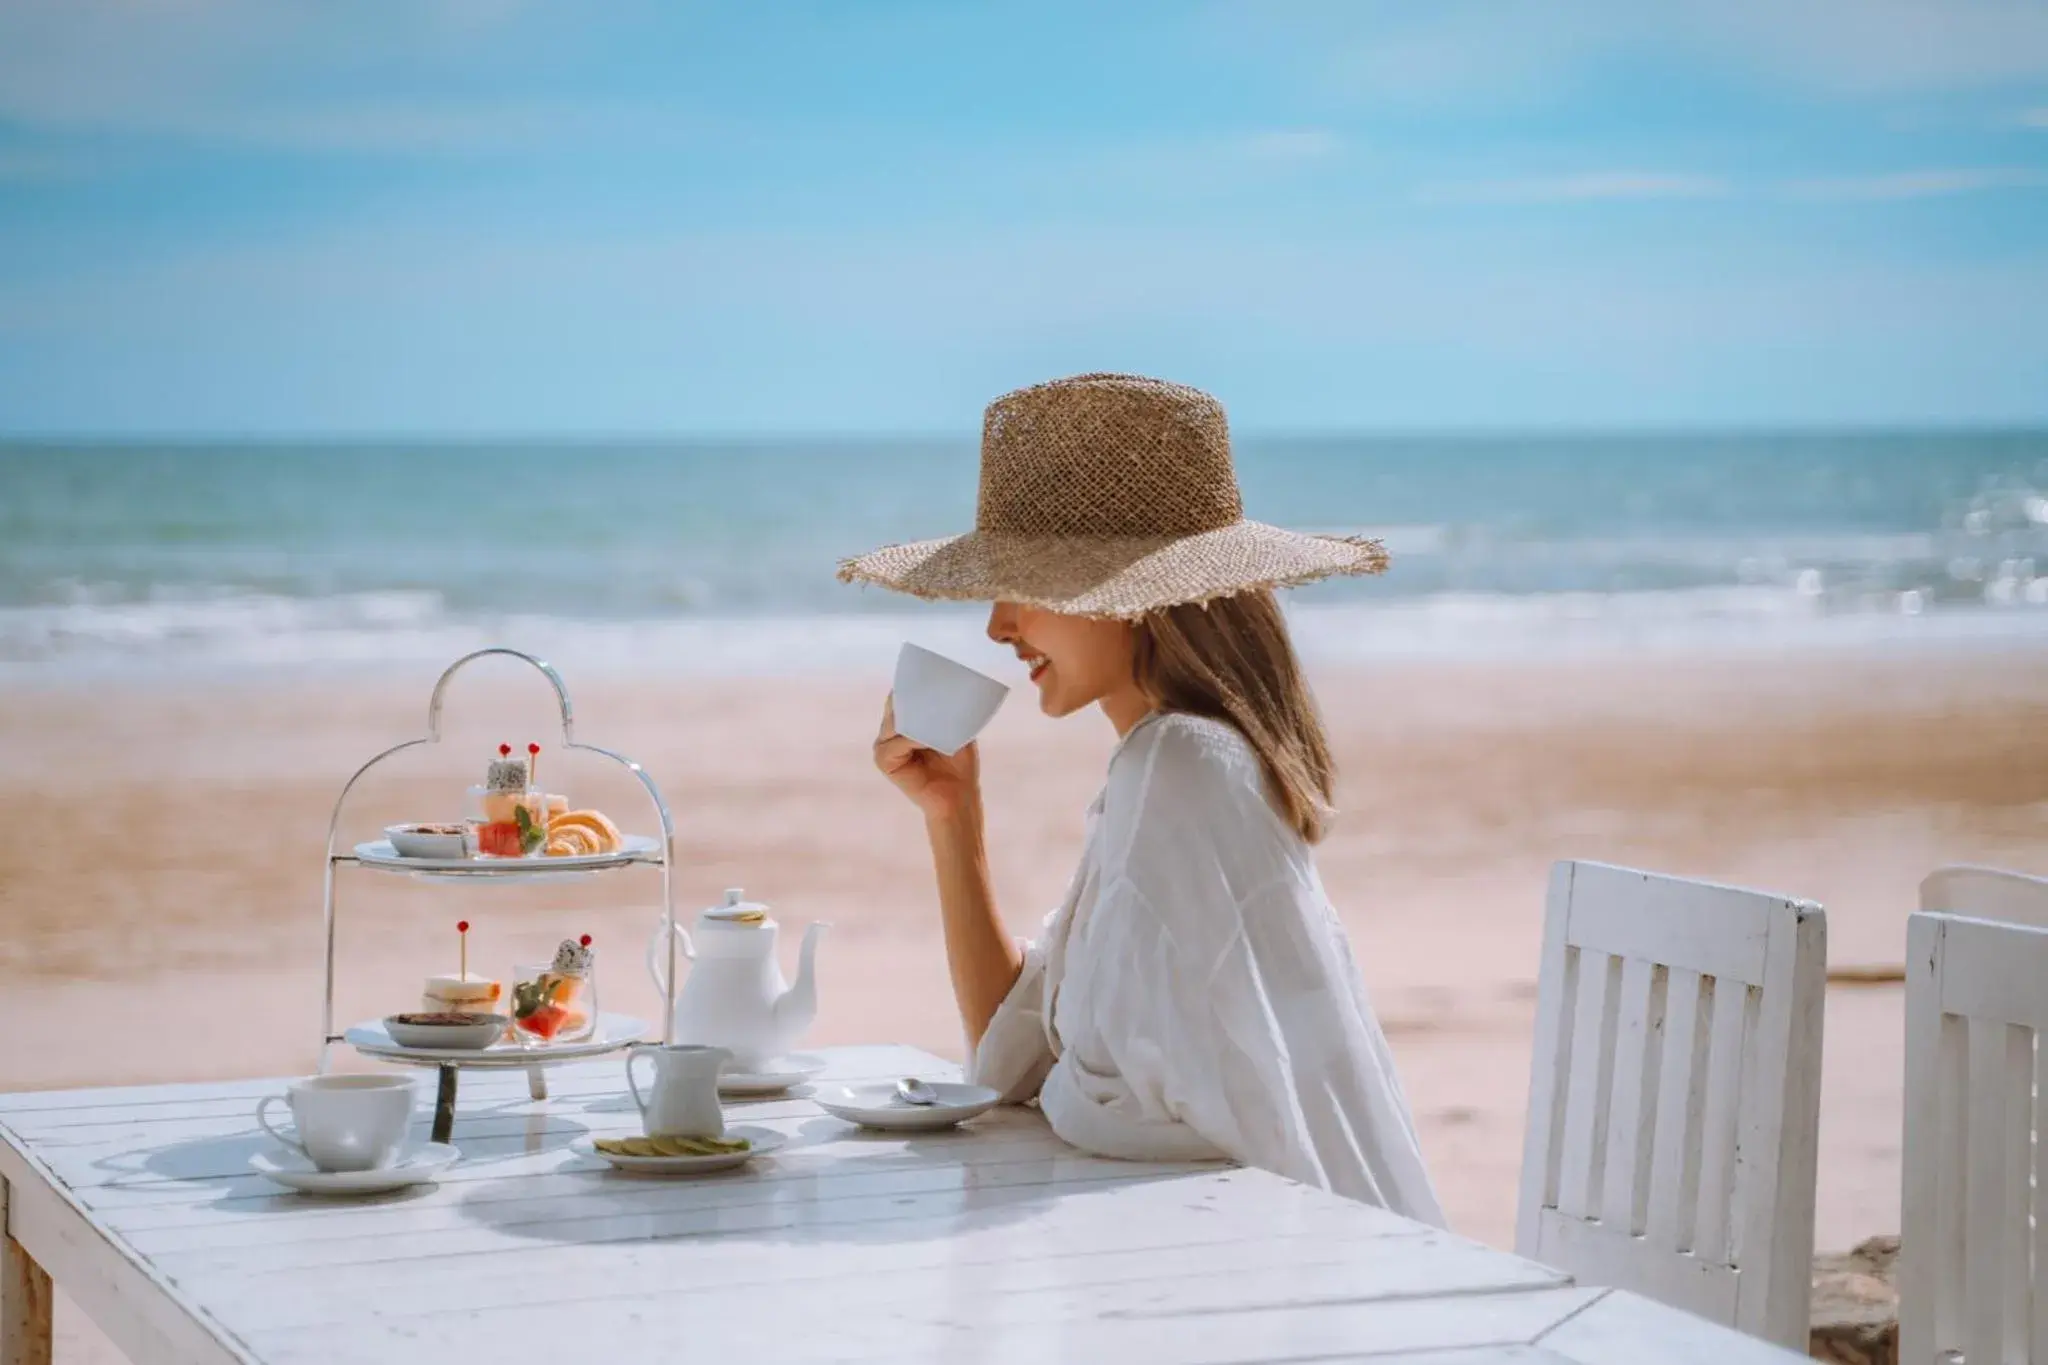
(1195, 998)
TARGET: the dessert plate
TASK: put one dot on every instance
(614, 1031)
(762, 1141)
(379, 853)
(295, 1171)
(879, 1106)
(774, 1078)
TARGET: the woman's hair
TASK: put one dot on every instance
(1231, 660)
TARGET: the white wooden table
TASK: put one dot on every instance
(995, 1243)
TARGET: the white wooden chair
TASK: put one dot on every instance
(1674, 1095)
(1973, 1236)
(1987, 893)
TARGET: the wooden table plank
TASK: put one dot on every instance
(1620, 1327)
(944, 1328)
(1238, 1274)
(532, 1192)
(202, 1162)
(40, 1113)
(1084, 1211)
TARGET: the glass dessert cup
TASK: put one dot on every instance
(504, 824)
(551, 1006)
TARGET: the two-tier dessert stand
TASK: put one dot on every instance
(498, 872)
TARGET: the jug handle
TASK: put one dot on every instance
(633, 1054)
(655, 966)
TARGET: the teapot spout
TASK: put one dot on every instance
(798, 1006)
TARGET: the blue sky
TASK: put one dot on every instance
(476, 217)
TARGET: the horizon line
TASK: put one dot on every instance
(761, 436)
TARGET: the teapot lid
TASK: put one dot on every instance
(737, 909)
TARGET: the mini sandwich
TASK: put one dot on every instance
(466, 994)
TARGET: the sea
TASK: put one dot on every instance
(718, 556)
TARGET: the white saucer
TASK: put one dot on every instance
(778, 1076)
(295, 1171)
(764, 1140)
(878, 1106)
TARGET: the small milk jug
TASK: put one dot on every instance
(683, 1101)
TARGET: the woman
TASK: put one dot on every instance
(1195, 996)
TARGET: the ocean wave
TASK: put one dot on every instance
(243, 630)
(102, 619)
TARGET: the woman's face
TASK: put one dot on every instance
(1075, 661)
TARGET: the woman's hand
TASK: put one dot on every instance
(943, 788)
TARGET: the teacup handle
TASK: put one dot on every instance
(264, 1119)
(634, 1054)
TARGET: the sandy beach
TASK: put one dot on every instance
(161, 892)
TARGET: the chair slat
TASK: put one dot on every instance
(1681, 1101)
(2038, 1285)
(1588, 1092)
(2017, 1146)
(1920, 1280)
(1986, 1249)
(1717, 1125)
(1564, 1010)
(1950, 1156)
(1632, 1111)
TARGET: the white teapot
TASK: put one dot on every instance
(734, 996)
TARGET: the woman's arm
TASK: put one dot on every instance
(983, 958)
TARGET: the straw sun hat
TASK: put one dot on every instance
(1109, 495)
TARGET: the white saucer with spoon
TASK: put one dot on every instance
(907, 1106)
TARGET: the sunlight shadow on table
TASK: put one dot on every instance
(907, 1191)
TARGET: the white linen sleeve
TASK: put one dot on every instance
(1014, 1053)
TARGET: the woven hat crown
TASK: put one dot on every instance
(1106, 455)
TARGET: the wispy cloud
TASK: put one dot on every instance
(1921, 184)
(1581, 187)
(2035, 118)
(1490, 52)
(429, 128)
(208, 74)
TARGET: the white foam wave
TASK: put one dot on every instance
(173, 620)
(253, 630)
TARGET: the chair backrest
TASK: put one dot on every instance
(1674, 1095)
(1973, 1243)
(1987, 893)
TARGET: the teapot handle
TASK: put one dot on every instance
(656, 954)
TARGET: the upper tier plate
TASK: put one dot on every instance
(379, 853)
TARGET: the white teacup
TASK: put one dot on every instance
(346, 1123)
(942, 704)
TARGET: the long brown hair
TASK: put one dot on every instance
(1232, 660)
